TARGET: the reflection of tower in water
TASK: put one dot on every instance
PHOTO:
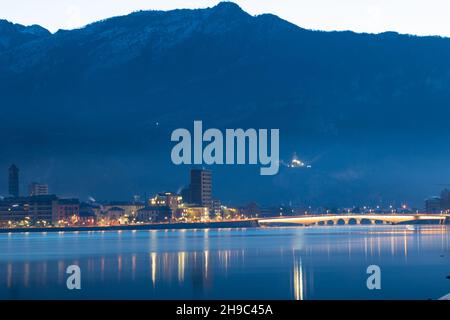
(181, 266)
(198, 281)
(153, 267)
(184, 266)
(299, 283)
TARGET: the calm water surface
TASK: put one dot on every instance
(268, 263)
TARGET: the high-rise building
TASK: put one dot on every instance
(186, 195)
(37, 189)
(445, 200)
(13, 181)
(433, 205)
(201, 187)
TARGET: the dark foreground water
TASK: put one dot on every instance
(271, 263)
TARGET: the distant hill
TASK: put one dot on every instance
(91, 110)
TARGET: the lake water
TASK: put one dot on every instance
(255, 263)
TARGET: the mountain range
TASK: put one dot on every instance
(90, 110)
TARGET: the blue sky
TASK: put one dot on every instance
(431, 17)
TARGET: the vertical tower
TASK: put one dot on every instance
(201, 187)
(445, 200)
(13, 181)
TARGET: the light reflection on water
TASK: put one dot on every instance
(272, 263)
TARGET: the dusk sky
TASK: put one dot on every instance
(404, 16)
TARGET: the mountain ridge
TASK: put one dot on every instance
(13, 34)
(225, 5)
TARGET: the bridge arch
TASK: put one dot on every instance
(355, 219)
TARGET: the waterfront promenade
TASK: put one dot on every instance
(151, 226)
(305, 220)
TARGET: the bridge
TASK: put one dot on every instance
(334, 219)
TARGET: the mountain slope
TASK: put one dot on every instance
(356, 105)
(13, 35)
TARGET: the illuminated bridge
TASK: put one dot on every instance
(334, 219)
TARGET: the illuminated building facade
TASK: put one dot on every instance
(201, 188)
(114, 216)
(167, 199)
(88, 214)
(67, 212)
(192, 214)
(130, 209)
(29, 211)
(154, 214)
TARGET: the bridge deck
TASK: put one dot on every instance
(335, 218)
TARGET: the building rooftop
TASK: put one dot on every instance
(155, 208)
(116, 209)
(123, 203)
(39, 198)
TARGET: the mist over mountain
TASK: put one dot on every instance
(90, 111)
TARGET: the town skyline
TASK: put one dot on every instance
(434, 204)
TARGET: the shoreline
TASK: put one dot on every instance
(251, 223)
(159, 226)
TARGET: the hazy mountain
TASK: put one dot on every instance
(91, 110)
